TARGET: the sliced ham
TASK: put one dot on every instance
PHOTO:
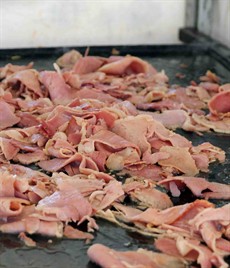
(68, 59)
(29, 78)
(87, 93)
(33, 225)
(60, 92)
(11, 206)
(106, 258)
(218, 125)
(77, 160)
(29, 158)
(146, 195)
(9, 69)
(171, 119)
(29, 242)
(170, 215)
(212, 214)
(82, 183)
(65, 206)
(191, 250)
(198, 186)
(147, 127)
(127, 65)
(151, 172)
(73, 233)
(180, 159)
(87, 65)
(7, 115)
(104, 198)
(220, 103)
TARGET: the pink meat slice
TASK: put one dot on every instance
(211, 214)
(65, 206)
(7, 115)
(83, 163)
(147, 127)
(151, 172)
(29, 78)
(197, 186)
(73, 233)
(220, 103)
(191, 250)
(87, 65)
(84, 184)
(171, 119)
(9, 69)
(104, 198)
(218, 125)
(86, 93)
(179, 158)
(7, 181)
(33, 225)
(152, 198)
(147, 195)
(29, 158)
(69, 58)
(110, 141)
(8, 149)
(106, 258)
(11, 206)
(171, 215)
(60, 92)
(127, 65)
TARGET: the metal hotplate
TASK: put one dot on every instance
(190, 60)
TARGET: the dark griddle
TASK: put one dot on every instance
(66, 253)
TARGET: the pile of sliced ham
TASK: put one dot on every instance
(65, 133)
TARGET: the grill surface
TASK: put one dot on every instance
(67, 253)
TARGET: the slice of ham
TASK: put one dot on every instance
(87, 65)
(212, 214)
(170, 215)
(106, 258)
(87, 93)
(218, 125)
(212, 235)
(171, 119)
(28, 184)
(73, 233)
(220, 103)
(68, 59)
(60, 92)
(33, 225)
(151, 172)
(65, 206)
(8, 149)
(146, 195)
(7, 115)
(198, 187)
(147, 127)
(82, 183)
(29, 242)
(127, 65)
(82, 163)
(11, 206)
(102, 199)
(191, 250)
(9, 69)
(179, 158)
(29, 158)
(29, 78)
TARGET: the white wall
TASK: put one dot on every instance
(34, 23)
(214, 19)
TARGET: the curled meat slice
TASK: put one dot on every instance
(106, 258)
